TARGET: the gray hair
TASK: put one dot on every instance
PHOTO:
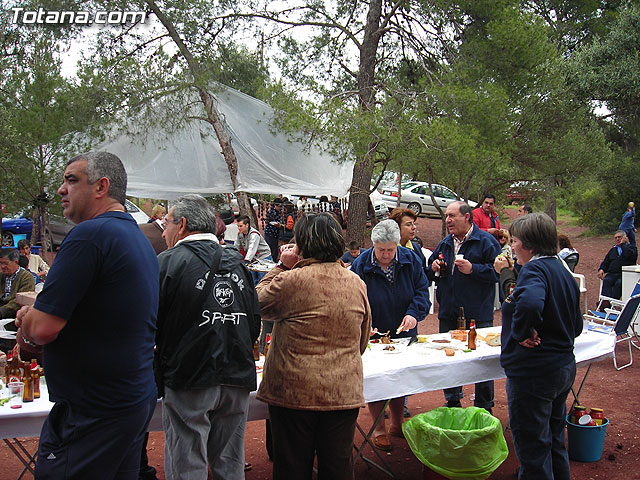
(197, 211)
(624, 234)
(105, 164)
(10, 253)
(385, 232)
(537, 232)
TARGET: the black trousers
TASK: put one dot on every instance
(484, 390)
(299, 435)
(74, 445)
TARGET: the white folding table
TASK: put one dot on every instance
(414, 370)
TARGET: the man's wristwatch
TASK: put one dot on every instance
(27, 341)
(282, 266)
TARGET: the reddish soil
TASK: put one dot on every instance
(607, 388)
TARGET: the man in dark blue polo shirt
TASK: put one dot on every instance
(96, 319)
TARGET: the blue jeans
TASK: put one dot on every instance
(273, 245)
(631, 235)
(537, 414)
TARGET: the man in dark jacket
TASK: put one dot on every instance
(469, 282)
(208, 320)
(13, 279)
(610, 270)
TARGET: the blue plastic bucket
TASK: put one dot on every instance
(586, 443)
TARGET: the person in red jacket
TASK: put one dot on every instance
(485, 216)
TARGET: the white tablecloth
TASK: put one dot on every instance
(417, 369)
(422, 369)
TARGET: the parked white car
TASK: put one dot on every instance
(415, 195)
(138, 215)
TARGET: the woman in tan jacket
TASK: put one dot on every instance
(313, 379)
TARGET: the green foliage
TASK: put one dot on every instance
(609, 71)
(41, 114)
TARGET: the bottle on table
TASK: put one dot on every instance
(267, 345)
(462, 322)
(13, 373)
(27, 393)
(472, 335)
(35, 373)
(256, 350)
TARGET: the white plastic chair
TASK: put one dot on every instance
(583, 288)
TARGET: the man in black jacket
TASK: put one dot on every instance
(610, 270)
(208, 320)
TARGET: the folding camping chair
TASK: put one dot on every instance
(618, 321)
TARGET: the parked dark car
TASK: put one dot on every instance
(18, 225)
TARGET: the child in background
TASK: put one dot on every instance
(352, 254)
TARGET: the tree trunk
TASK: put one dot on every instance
(359, 201)
(363, 168)
(213, 117)
(550, 197)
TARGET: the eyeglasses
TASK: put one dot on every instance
(618, 237)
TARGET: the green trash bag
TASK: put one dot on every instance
(458, 443)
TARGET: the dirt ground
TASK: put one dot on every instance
(606, 388)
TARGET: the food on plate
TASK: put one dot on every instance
(422, 338)
(441, 340)
(492, 339)
(449, 352)
(389, 348)
(384, 338)
(375, 340)
(459, 335)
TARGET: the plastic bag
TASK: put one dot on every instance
(458, 443)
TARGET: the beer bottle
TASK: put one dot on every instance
(462, 322)
(443, 266)
(256, 350)
(13, 368)
(8, 368)
(267, 345)
(27, 395)
(35, 373)
(472, 335)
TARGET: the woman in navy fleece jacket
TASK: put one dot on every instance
(540, 320)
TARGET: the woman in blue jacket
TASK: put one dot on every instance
(540, 320)
(398, 292)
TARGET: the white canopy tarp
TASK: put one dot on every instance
(166, 165)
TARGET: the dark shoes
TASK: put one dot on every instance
(453, 404)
